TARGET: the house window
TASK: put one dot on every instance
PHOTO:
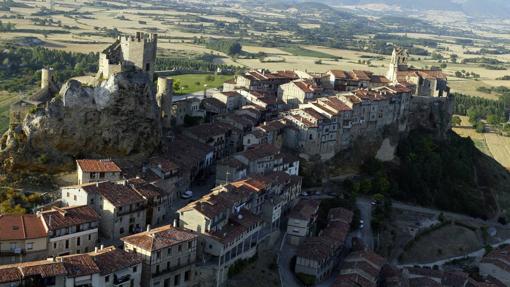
(30, 245)
(122, 230)
(187, 275)
(134, 269)
(67, 243)
(147, 67)
(177, 279)
(107, 278)
(55, 245)
(78, 241)
(75, 198)
(101, 175)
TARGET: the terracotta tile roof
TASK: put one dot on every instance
(317, 248)
(314, 114)
(159, 238)
(425, 272)
(166, 165)
(379, 79)
(367, 256)
(231, 162)
(361, 75)
(210, 205)
(259, 151)
(340, 214)
(336, 104)
(43, 268)
(307, 86)
(339, 74)
(305, 209)
(79, 265)
(427, 74)
(101, 165)
(231, 94)
(275, 125)
(117, 194)
(19, 227)
(206, 131)
(59, 218)
(111, 259)
(10, 274)
(145, 189)
(213, 102)
(236, 226)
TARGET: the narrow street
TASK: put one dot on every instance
(365, 207)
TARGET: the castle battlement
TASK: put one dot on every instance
(132, 51)
(140, 37)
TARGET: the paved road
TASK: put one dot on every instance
(286, 275)
(366, 234)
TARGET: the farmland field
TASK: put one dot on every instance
(191, 83)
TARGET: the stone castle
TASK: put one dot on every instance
(128, 52)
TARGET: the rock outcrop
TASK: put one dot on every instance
(118, 117)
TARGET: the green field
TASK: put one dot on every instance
(300, 51)
(190, 83)
(5, 102)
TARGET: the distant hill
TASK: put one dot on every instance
(473, 8)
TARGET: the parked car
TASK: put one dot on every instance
(187, 194)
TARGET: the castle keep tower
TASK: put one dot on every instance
(398, 62)
(128, 52)
(164, 98)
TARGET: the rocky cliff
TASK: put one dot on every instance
(118, 117)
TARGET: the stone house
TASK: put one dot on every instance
(219, 136)
(190, 107)
(299, 92)
(48, 273)
(123, 211)
(344, 81)
(318, 256)
(22, 238)
(92, 170)
(302, 221)
(105, 267)
(71, 230)
(362, 268)
(232, 100)
(169, 255)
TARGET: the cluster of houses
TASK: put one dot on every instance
(247, 136)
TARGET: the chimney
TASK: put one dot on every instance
(46, 77)
(148, 227)
(95, 249)
(176, 223)
(102, 246)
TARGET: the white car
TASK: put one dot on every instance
(187, 194)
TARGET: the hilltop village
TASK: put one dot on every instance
(184, 191)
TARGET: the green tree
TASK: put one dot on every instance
(456, 121)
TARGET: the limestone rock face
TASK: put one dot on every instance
(431, 114)
(118, 117)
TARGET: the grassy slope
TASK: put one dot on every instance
(195, 82)
(6, 100)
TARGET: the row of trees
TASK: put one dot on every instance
(193, 64)
(227, 46)
(478, 109)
